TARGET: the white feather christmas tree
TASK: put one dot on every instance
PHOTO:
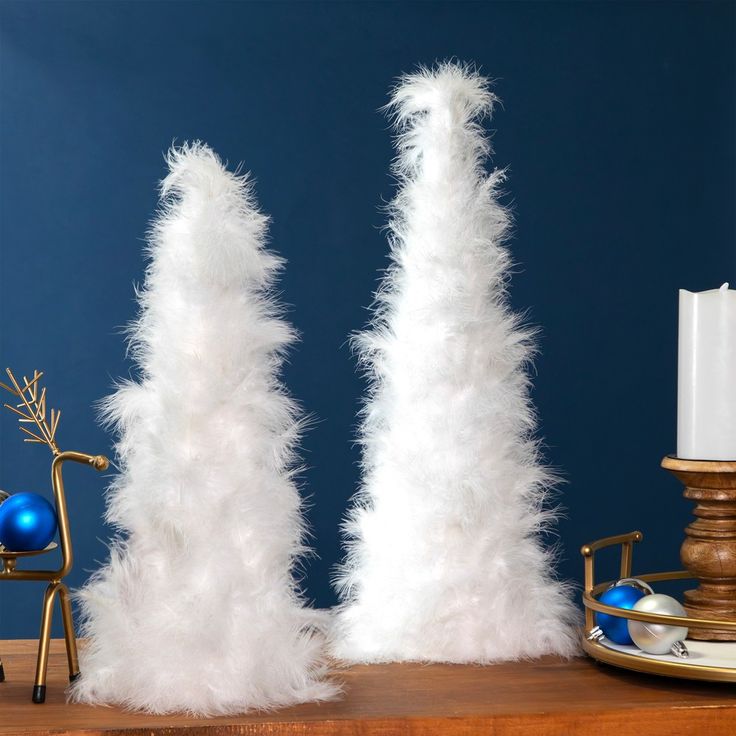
(197, 609)
(444, 557)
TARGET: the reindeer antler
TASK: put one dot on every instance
(32, 409)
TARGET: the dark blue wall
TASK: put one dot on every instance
(618, 126)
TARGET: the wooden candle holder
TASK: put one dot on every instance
(709, 550)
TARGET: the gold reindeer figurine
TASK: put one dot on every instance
(32, 411)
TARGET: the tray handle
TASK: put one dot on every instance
(588, 552)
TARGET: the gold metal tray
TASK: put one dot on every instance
(714, 661)
(708, 660)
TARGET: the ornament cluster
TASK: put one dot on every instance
(637, 595)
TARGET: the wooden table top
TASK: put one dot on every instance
(546, 697)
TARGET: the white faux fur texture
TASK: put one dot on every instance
(445, 562)
(197, 609)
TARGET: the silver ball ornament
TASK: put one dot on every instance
(659, 638)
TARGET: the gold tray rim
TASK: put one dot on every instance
(681, 670)
(591, 603)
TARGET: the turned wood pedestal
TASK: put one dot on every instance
(709, 550)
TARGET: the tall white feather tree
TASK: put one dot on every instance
(445, 561)
(197, 609)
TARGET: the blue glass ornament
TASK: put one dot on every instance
(27, 522)
(621, 595)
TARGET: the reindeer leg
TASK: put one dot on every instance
(44, 639)
(69, 638)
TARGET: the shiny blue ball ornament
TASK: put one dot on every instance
(27, 522)
(623, 594)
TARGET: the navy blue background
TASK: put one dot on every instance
(618, 126)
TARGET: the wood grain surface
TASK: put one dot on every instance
(546, 697)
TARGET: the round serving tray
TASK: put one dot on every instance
(709, 660)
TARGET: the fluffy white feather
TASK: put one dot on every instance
(197, 609)
(444, 557)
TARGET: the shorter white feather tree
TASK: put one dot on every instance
(445, 561)
(197, 609)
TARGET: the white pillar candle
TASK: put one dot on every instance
(706, 396)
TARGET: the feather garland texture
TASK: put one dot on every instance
(444, 561)
(197, 609)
